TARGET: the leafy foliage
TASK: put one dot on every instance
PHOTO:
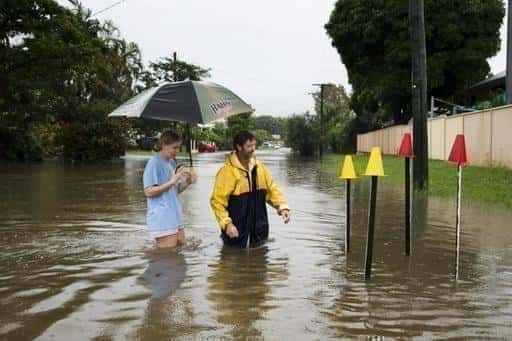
(169, 70)
(61, 73)
(274, 125)
(372, 38)
(336, 116)
(239, 122)
(303, 134)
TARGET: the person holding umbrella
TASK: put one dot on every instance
(163, 180)
(242, 188)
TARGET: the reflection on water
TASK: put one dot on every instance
(164, 275)
(239, 287)
(76, 262)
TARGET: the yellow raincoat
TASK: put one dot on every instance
(240, 197)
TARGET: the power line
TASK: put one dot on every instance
(109, 7)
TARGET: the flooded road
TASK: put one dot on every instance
(76, 262)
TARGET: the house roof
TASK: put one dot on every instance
(491, 82)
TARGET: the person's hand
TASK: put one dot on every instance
(231, 231)
(286, 215)
(176, 176)
(192, 176)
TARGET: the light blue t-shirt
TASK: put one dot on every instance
(164, 211)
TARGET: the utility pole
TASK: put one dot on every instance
(419, 94)
(321, 147)
(174, 67)
(509, 54)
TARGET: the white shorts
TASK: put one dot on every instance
(165, 233)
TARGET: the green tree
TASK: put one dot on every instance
(61, 73)
(274, 125)
(337, 114)
(225, 142)
(237, 123)
(261, 135)
(207, 135)
(373, 40)
(303, 134)
(40, 43)
(169, 70)
(98, 85)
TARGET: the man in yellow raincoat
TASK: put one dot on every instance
(243, 187)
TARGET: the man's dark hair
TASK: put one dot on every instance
(241, 137)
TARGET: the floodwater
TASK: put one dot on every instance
(76, 262)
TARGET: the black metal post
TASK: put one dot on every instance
(347, 217)
(371, 228)
(407, 206)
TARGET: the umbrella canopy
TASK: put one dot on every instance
(187, 101)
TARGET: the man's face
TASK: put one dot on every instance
(247, 150)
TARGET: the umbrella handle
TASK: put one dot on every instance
(189, 141)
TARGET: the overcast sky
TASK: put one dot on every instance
(269, 52)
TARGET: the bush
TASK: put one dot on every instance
(17, 144)
(87, 141)
(302, 134)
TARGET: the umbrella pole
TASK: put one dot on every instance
(189, 138)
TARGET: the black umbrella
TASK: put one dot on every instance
(187, 101)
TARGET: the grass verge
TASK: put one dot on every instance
(491, 185)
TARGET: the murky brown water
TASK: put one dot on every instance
(76, 263)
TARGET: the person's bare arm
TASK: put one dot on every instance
(154, 191)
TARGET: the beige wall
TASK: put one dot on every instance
(501, 143)
(488, 136)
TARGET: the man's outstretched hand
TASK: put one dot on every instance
(286, 215)
(232, 231)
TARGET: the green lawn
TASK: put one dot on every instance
(485, 184)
